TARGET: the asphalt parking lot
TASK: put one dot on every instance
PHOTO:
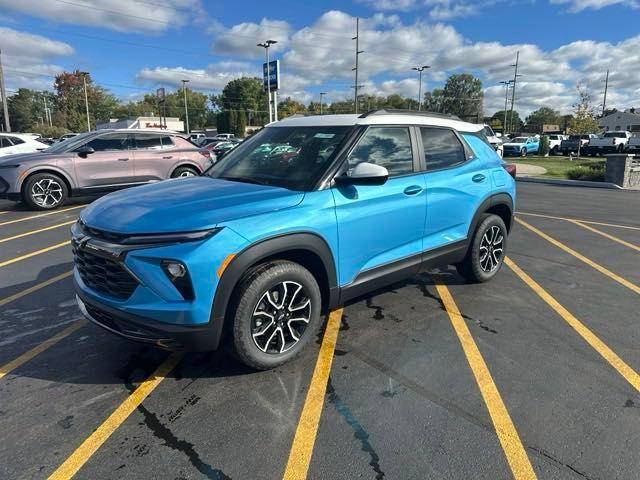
(533, 375)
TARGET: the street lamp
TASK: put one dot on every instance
(322, 94)
(419, 70)
(266, 46)
(86, 98)
(186, 109)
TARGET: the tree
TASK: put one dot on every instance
(462, 96)
(544, 116)
(515, 122)
(434, 100)
(584, 117)
(245, 93)
(26, 109)
(289, 107)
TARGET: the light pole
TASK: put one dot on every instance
(266, 46)
(419, 70)
(506, 96)
(322, 94)
(186, 109)
(86, 98)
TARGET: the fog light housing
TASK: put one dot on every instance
(179, 277)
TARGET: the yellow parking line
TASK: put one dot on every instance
(4, 212)
(34, 288)
(579, 220)
(629, 374)
(25, 357)
(53, 212)
(84, 452)
(505, 429)
(33, 254)
(305, 437)
(606, 235)
(32, 232)
(579, 256)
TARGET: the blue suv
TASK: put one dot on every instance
(305, 215)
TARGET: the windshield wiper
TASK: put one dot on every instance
(244, 180)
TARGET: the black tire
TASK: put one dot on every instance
(185, 171)
(554, 151)
(523, 152)
(473, 267)
(44, 191)
(252, 296)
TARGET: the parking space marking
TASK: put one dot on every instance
(582, 258)
(629, 374)
(505, 429)
(606, 235)
(34, 288)
(25, 357)
(305, 436)
(579, 220)
(85, 451)
(41, 215)
(33, 254)
(33, 232)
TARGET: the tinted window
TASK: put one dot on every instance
(442, 149)
(109, 143)
(389, 147)
(152, 141)
(610, 135)
(5, 142)
(16, 140)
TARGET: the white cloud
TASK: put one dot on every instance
(213, 77)
(242, 39)
(575, 6)
(120, 15)
(396, 5)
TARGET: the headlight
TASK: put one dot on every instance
(178, 237)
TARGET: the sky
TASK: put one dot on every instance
(132, 47)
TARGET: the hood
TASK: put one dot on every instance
(184, 205)
(514, 144)
(26, 157)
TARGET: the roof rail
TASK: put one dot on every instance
(396, 111)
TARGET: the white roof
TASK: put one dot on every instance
(24, 136)
(378, 119)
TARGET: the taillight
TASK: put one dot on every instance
(510, 168)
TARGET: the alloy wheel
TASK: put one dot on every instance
(46, 192)
(280, 317)
(491, 249)
(186, 173)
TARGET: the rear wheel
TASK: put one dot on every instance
(44, 191)
(183, 172)
(486, 252)
(276, 314)
(523, 152)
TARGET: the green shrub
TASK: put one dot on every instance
(544, 146)
(591, 173)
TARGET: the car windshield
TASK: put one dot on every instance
(69, 143)
(488, 131)
(288, 157)
(614, 135)
(519, 140)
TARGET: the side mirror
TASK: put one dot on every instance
(364, 174)
(85, 151)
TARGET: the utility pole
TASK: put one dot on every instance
(419, 70)
(47, 112)
(3, 93)
(606, 87)
(86, 98)
(506, 96)
(322, 94)
(186, 109)
(355, 69)
(266, 46)
(513, 92)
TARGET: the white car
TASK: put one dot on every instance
(610, 142)
(225, 136)
(554, 143)
(12, 143)
(494, 140)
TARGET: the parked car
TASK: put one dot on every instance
(634, 144)
(521, 146)
(225, 136)
(12, 143)
(252, 254)
(609, 142)
(554, 143)
(494, 140)
(98, 162)
(67, 136)
(570, 145)
(222, 148)
(197, 138)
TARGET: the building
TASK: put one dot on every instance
(629, 120)
(172, 123)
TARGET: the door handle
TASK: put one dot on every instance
(168, 157)
(413, 190)
(123, 159)
(478, 178)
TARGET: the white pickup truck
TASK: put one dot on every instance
(554, 143)
(610, 142)
(634, 144)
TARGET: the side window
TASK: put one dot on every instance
(5, 142)
(16, 140)
(389, 147)
(152, 141)
(442, 148)
(110, 143)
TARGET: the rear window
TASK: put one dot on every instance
(614, 135)
(151, 141)
(442, 148)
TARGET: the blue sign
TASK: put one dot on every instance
(274, 75)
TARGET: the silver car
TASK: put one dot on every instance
(98, 162)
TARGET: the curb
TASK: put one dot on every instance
(572, 183)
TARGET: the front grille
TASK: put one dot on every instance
(102, 317)
(103, 275)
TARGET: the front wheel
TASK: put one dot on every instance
(523, 152)
(44, 191)
(183, 172)
(276, 314)
(487, 250)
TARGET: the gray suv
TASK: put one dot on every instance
(98, 162)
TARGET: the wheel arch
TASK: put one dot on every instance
(500, 204)
(51, 170)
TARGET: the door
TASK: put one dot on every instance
(381, 225)
(153, 159)
(109, 165)
(456, 182)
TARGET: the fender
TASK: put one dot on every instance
(45, 168)
(491, 201)
(259, 251)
